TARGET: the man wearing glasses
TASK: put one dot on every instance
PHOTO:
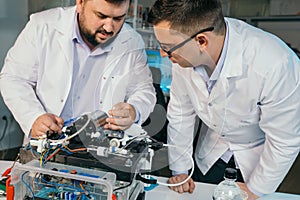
(244, 85)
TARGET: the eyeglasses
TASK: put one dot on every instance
(169, 52)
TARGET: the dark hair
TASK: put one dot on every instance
(188, 16)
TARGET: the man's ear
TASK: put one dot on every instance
(202, 41)
(79, 5)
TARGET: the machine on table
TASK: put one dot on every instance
(86, 162)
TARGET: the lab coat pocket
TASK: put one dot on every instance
(235, 121)
(119, 86)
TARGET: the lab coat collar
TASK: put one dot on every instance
(65, 28)
(233, 65)
(66, 25)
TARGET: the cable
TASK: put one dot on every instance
(53, 154)
(119, 188)
(74, 150)
(61, 141)
(26, 184)
(184, 181)
(70, 120)
(33, 152)
(125, 186)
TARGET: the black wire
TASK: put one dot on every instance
(119, 188)
(5, 127)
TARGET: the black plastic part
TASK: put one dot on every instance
(145, 180)
(230, 173)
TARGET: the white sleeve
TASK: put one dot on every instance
(141, 93)
(181, 116)
(19, 76)
(280, 121)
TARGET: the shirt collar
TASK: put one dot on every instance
(75, 35)
(216, 73)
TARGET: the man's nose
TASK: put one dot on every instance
(108, 25)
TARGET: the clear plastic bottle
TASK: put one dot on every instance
(228, 189)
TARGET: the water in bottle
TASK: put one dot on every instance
(228, 189)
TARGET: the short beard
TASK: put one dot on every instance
(90, 37)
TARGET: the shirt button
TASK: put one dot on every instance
(104, 77)
(209, 104)
(101, 102)
(61, 100)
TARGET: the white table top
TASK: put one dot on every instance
(4, 165)
(203, 191)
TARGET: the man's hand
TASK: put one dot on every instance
(122, 116)
(188, 186)
(244, 187)
(44, 123)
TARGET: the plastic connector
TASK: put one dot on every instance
(156, 145)
(147, 179)
(9, 190)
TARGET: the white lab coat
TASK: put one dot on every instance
(253, 109)
(37, 73)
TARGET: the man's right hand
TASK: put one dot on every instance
(188, 186)
(44, 123)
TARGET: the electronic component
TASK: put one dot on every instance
(86, 144)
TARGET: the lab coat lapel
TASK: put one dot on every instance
(120, 45)
(233, 67)
(198, 82)
(225, 85)
(114, 56)
(64, 38)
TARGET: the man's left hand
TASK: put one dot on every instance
(251, 196)
(122, 116)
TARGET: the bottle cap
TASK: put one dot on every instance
(230, 173)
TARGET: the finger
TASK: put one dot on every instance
(38, 134)
(180, 188)
(51, 125)
(106, 126)
(119, 106)
(191, 186)
(114, 127)
(55, 127)
(59, 121)
(175, 189)
(242, 185)
(120, 113)
(186, 187)
(120, 121)
(171, 180)
(42, 128)
(179, 178)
